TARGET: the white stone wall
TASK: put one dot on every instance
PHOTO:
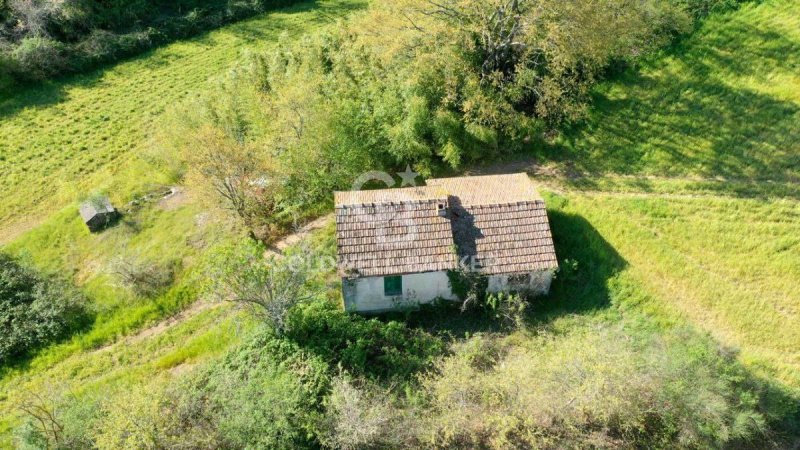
(366, 294)
(537, 282)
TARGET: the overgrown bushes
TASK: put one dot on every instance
(46, 38)
(583, 389)
(437, 85)
(340, 381)
(595, 388)
(363, 347)
(34, 309)
(263, 395)
(267, 394)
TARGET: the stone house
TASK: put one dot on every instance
(400, 247)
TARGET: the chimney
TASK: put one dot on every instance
(442, 209)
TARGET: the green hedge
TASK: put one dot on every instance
(77, 35)
(34, 309)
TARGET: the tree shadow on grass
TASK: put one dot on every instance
(249, 30)
(254, 29)
(44, 94)
(21, 362)
(697, 113)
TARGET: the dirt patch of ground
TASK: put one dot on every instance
(181, 369)
(303, 232)
(177, 197)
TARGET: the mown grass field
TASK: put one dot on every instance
(723, 104)
(688, 168)
(727, 265)
(64, 139)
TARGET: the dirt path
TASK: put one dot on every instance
(281, 245)
(561, 179)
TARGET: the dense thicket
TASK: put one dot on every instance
(34, 309)
(433, 84)
(599, 387)
(269, 393)
(45, 38)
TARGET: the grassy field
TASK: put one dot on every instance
(729, 266)
(174, 231)
(94, 133)
(91, 132)
(723, 104)
(688, 168)
(682, 190)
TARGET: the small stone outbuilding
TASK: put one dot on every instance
(98, 213)
(399, 247)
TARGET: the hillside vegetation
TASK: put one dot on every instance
(113, 115)
(666, 152)
(65, 139)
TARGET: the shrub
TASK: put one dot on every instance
(34, 309)
(144, 278)
(268, 287)
(362, 346)
(509, 309)
(6, 70)
(267, 394)
(37, 58)
(594, 388)
(243, 180)
(56, 419)
(360, 415)
(702, 8)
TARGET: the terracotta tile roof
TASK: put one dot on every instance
(506, 238)
(489, 189)
(497, 221)
(393, 238)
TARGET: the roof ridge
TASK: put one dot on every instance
(490, 175)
